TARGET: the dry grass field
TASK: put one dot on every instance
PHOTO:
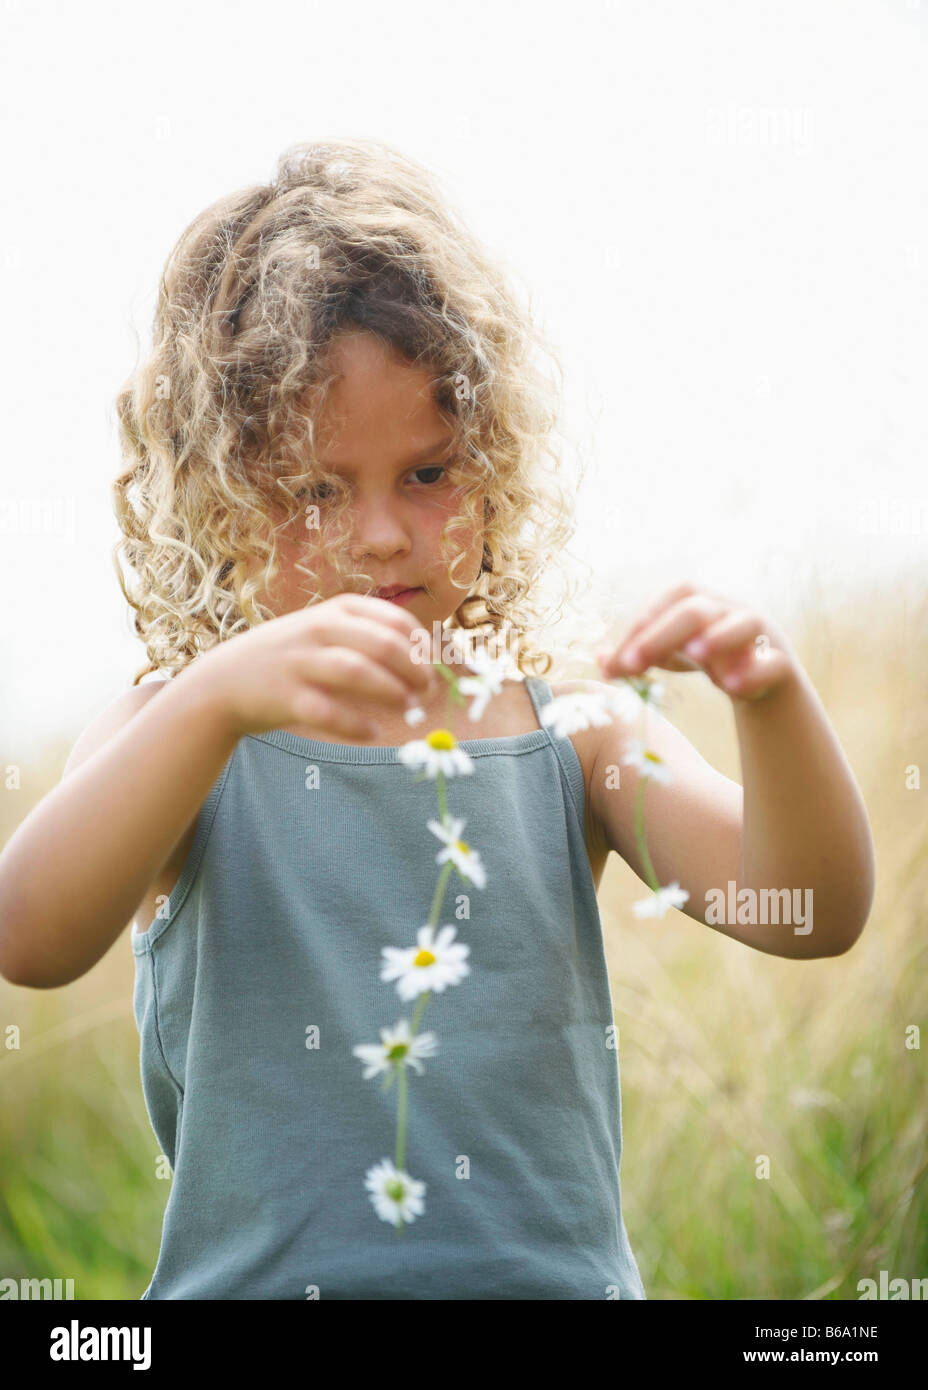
(725, 1053)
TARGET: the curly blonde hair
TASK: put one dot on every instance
(349, 235)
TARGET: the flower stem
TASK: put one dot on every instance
(401, 1115)
(454, 697)
(401, 1128)
(417, 1016)
(639, 835)
(434, 915)
(639, 808)
(439, 894)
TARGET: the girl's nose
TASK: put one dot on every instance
(378, 531)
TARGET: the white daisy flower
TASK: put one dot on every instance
(650, 692)
(435, 963)
(657, 904)
(398, 1045)
(487, 682)
(396, 1196)
(439, 752)
(580, 708)
(458, 851)
(649, 764)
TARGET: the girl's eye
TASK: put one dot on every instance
(432, 468)
(318, 491)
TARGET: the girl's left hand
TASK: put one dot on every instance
(688, 629)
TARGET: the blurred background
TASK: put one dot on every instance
(718, 213)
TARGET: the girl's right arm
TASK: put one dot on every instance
(76, 870)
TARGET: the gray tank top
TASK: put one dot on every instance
(262, 972)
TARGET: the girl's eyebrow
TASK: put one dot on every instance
(442, 447)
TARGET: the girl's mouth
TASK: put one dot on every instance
(398, 596)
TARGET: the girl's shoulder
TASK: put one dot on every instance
(109, 721)
(586, 741)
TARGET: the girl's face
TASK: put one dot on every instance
(386, 437)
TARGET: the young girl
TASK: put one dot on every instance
(341, 401)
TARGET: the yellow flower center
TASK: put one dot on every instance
(441, 739)
(424, 957)
(652, 757)
(464, 848)
(397, 1051)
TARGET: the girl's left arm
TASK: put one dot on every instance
(803, 822)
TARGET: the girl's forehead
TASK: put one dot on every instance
(392, 423)
(359, 361)
(379, 408)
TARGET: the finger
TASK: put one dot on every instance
(348, 673)
(733, 630)
(665, 601)
(668, 634)
(760, 675)
(654, 610)
(381, 611)
(383, 642)
(322, 714)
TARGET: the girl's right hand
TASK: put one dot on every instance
(307, 667)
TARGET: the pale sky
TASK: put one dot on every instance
(717, 210)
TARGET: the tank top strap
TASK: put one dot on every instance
(541, 694)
